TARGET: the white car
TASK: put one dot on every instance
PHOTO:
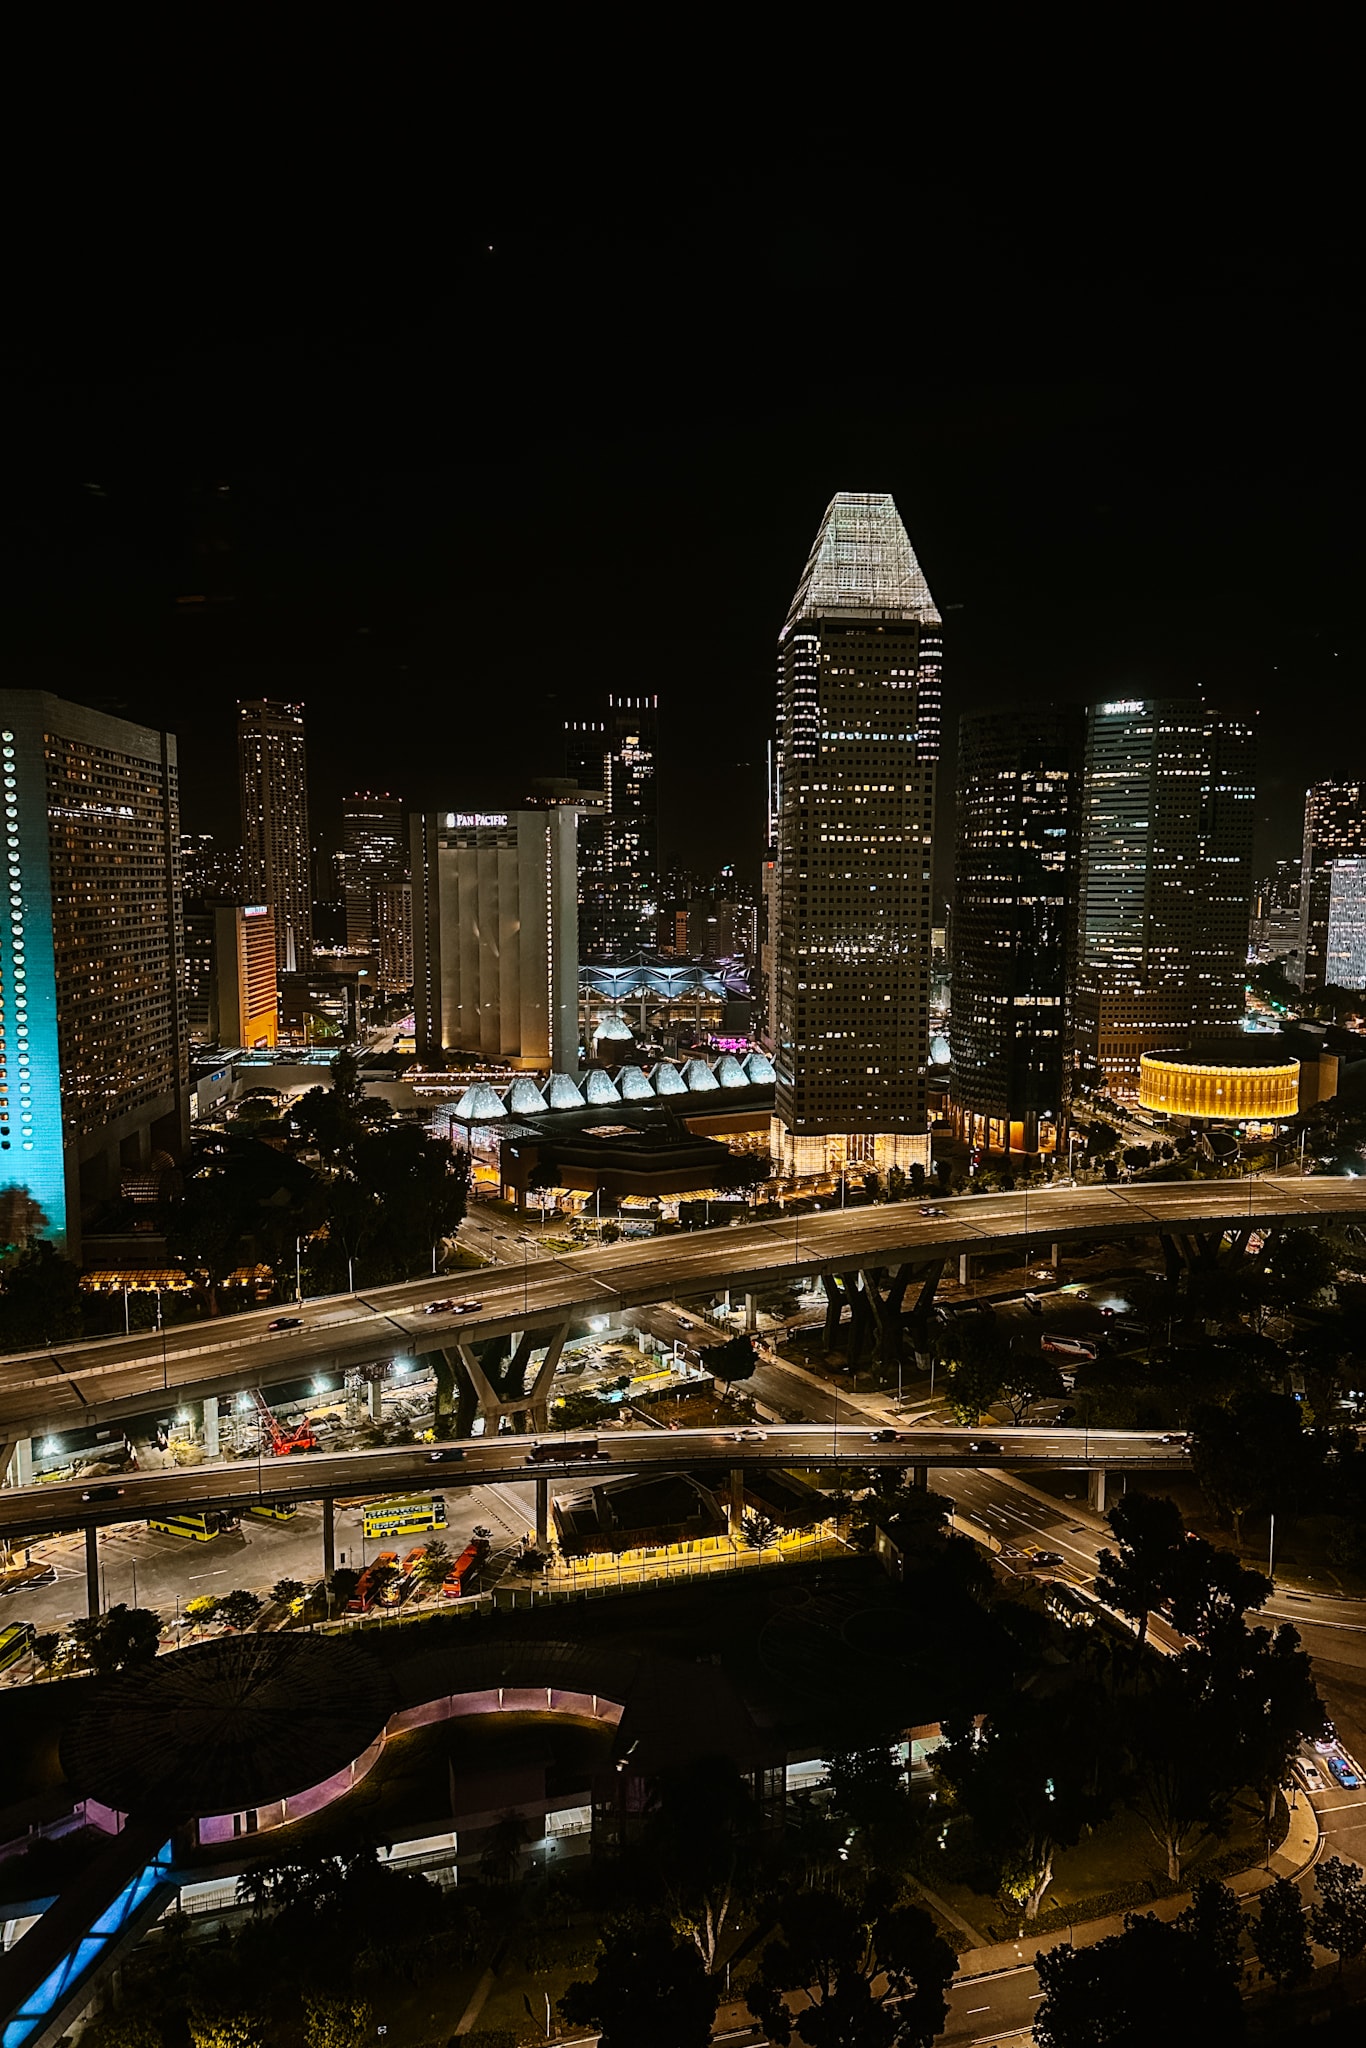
(1309, 1771)
(747, 1436)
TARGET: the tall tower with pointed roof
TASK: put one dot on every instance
(859, 662)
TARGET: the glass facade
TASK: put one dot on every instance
(1334, 830)
(375, 856)
(859, 663)
(93, 1046)
(1346, 948)
(1166, 881)
(1019, 790)
(618, 846)
(273, 766)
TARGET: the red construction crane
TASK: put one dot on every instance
(282, 1439)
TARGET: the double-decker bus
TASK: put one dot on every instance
(15, 1642)
(374, 1583)
(200, 1528)
(407, 1516)
(456, 1582)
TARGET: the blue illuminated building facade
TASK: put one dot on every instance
(93, 1048)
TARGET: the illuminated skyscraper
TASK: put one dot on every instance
(859, 663)
(1334, 829)
(495, 933)
(1346, 949)
(1015, 899)
(93, 1048)
(375, 856)
(274, 788)
(619, 846)
(394, 938)
(1166, 882)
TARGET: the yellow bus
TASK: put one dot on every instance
(274, 1510)
(15, 1642)
(404, 1517)
(200, 1528)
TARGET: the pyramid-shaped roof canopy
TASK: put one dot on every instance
(862, 562)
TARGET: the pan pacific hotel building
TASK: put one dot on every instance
(859, 675)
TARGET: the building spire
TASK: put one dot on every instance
(862, 563)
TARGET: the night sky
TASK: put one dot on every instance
(444, 492)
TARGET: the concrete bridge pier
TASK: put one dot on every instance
(510, 1400)
(542, 1514)
(735, 1504)
(964, 1268)
(377, 1398)
(92, 1571)
(329, 1538)
(920, 1476)
(21, 1463)
(751, 1315)
(211, 1444)
(1095, 1489)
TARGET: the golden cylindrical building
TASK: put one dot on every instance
(1235, 1091)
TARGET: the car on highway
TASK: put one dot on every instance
(1044, 1560)
(286, 1323)
(1343, 1773)
(889, 1436)
(103, 1493)
(931, 1209)
(984, 1447)
(452, 1308)
(746, 1436)
(446, 1454)
(1176, 1437)
(438, 1308)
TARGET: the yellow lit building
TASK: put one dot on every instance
(1211, 1085)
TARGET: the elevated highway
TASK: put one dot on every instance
(85, 1383)
(417, 1468)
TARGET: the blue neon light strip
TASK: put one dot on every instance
(39, 2006)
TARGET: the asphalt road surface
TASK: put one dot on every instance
(79, 1383)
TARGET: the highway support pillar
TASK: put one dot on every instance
(92, 1571)
(920, 1476)
(1095, 1489)
(964, 1268)
(211, 1425)
(751, 1314)
(542, 1514)
(377, 1400)
(1055, 1256)
(21, 1464)
(735, 1504)
(329, 1538)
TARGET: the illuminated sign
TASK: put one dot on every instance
(256, 910)
(463, 818)
(1126, 704)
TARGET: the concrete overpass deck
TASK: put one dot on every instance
(76, 1384)
(53, 1508)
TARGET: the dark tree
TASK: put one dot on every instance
(120, 1637)
(649, 1987)
(40, 1299)
(734, 1360)
(1253, 1456)
(1280, 1934)
(876, 1974)
(867, 1786)
(240, 1607)
(1180, 1745)
(1034, 1779)
(1210, 1590)
(1150, 1532)
(1215, 1920)
(1029, 1378)
(1158, 1981)
(699, 1834)
(1337, 1918)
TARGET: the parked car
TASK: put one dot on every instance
(286, 1323)
(1343, 1773)
(1309, 1771)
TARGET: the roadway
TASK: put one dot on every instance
(505, 1460)
(70, 1385)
